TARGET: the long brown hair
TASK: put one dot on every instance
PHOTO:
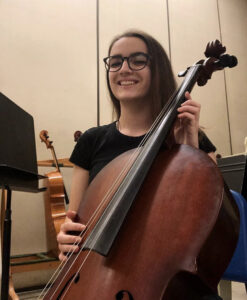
(162, 79)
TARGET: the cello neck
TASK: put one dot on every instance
(107, 228)
(55, 158)
(45, 138)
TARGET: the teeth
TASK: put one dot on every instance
(127, 82)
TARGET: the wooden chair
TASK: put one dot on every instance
(27, 262)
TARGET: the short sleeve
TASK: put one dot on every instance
(81, 155)
(205, 144)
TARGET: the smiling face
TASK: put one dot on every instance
(127, 84)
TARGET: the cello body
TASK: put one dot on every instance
(54, 199)
(54, 209)
(166, 247)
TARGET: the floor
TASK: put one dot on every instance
(238, 293)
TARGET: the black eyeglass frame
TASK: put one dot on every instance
(127, 59)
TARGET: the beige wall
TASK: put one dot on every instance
(48, 66)
(190, 33)
(234, 24)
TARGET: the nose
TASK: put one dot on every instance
(125, 66)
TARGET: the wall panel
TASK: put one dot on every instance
(193, 24)
(233, 25)
(48, 67)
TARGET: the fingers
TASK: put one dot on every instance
(64, 238)
(68, 248)
(187, 123)
(189, 103)
(68, 242)
(71, 214)
(62, 257)
(72, 226)
(190, 109)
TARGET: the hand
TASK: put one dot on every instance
(65, 240)
(187, 123)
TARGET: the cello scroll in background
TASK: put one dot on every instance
(168, 229)
(55, 197)
(77, 135)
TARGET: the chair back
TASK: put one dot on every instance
(237, 269)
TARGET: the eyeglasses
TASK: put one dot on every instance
(136, 62)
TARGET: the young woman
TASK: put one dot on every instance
(140, 82)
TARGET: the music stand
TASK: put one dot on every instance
(18, 168)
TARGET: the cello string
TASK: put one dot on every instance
(81, 234)
(90, 222)
(81, 265)
(88, 225)
(89, 252)
(98, 234)
(120, 176)
(147, 136)
(87, 228)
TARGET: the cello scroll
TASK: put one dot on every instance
(216, 61)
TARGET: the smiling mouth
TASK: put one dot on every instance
(127, 82)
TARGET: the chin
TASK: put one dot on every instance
(131, 98)
(125, 96)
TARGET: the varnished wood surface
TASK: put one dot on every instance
(63, 163)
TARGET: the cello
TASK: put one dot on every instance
(55, 198)
(148, 235)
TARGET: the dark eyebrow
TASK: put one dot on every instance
(134, 53)
(116, 55)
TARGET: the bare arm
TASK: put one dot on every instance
(79, 185)
(80, 179)
(212, 156)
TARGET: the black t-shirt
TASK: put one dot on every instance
(99, 145)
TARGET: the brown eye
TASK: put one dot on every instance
(115, 62)
(138, 61)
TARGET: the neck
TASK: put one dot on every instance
(135, 121)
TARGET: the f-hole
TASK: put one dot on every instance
(74, 277)
(124, 295)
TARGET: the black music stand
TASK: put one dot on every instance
(18, 168)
